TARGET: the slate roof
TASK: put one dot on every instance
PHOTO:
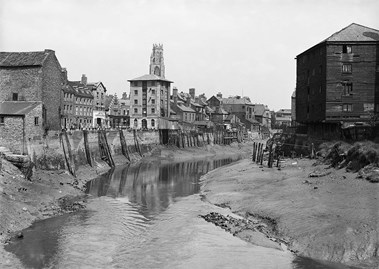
(80, 89)
(18, 59)
(149, 78)
(236, 101)
(83, 92)
(259, 109)
(17, 108)
(352, 33)
(220, 110)
(355, 32)
(68, 89)
(182, 107)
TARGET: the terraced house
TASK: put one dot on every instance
(337, 81)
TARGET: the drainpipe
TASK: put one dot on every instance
(23, 135)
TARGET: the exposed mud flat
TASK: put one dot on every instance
(322, 213)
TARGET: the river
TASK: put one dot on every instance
(146, 216)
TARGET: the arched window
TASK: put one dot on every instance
(152, 123)
(144, 124)
(135, 123)
(157, 71)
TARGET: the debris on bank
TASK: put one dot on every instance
(251, 230)
(361, 157)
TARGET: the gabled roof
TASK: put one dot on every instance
(355, 32)
(220, 110)
(215, 97)
(352, 33)
(94, 85)
(17, 108)
(18, 59)
(149, 77)
(236, 101)
(259, 109)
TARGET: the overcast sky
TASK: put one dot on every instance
(235, 47)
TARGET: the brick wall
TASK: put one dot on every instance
(17, 130)
(51, 89)
(27, 82)
(47, 152)
(32, 130)
(11, 133)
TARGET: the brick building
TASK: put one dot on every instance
(182, 109)
(241, 107)
(68, 112)
(337, 81)
(150, 94)
(98, 91)
(19, 122)
(118, 111)
(283, 118)
(33, 76)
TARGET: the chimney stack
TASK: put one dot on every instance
(188, 103)
(192, 93)
(64, 74)
(175, 96)
(84, 80)
(219, 95)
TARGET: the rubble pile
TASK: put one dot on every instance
(361, 157)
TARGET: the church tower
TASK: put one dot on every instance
(156, 61)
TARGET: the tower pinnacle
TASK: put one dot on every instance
(156, 61)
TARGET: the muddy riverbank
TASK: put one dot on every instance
(331, 217)
(55, 192)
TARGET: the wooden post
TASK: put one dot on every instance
(86, 147)
(270, 157)
(258, 152)
(136, 144)
(124, 146)
(261, 159)
(67, 153)
(254, 152)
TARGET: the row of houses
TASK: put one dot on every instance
(36, 96)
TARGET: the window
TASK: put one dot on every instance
(152, 123)
(134, 83)
(346, 49)
(36, 121)
(153, 101)
(346, 68)
(153, 92)
(136, 110)
(153, 111)
(153, 83)
(15, 96)
(2, 120)
(347, 88)
(347, 107)
(136, 102)
(135, 92)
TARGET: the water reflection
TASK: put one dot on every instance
(146, 216)
(154, 185)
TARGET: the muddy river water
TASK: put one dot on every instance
(146, 216)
